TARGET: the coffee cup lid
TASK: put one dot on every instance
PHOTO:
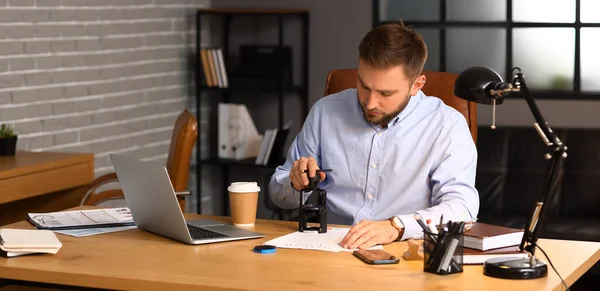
(243, 187)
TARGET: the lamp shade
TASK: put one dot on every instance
(474, 83)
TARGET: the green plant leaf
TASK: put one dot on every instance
(6, 131)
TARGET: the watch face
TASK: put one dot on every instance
(398, 222)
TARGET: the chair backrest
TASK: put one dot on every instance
(439, 84)
(183, 139)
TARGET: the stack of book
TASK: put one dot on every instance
(486, 241)
(18, 242)
(213, 67)
(481, 242)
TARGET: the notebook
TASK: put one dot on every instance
(18, 242)
(483, 236)
(473, 256)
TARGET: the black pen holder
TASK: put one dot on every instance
(443, 255)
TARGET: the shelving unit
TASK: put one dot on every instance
(223, 94)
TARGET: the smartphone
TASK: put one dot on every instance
(376, 257)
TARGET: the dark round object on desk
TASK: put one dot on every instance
(264, 249)
(514, 268)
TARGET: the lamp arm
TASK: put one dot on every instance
(557, 152)
(548, 136)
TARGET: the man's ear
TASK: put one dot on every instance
(417, 85)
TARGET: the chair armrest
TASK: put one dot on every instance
(106, 178)
(182, 194)
(97, 183)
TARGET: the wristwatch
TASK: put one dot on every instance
(397, 224)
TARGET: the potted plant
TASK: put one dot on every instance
(8, 141)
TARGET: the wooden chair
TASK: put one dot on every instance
(183, 140)
(439, 84)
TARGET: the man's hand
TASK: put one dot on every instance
(298, 178)
(368, 233)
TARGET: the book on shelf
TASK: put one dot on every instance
(483, 236)
(213, 67)
(473, 256)
(205, 68)
(271, 148)
(222, 70)
(264, 146)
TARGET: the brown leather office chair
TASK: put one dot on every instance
(183, 140)
(439, 84)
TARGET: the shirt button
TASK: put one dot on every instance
(379, 133)
(373, 165)
(370, 196)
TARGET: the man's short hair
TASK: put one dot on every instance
(393, 44)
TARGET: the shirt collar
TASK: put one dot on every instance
(410, 107)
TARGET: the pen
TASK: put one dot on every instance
(319, 170)
(431, 227)
(441, 222)
(421, 223)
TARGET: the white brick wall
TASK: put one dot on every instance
(100, 76)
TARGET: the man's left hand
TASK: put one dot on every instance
(368, 233)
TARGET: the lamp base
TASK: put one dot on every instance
(515, 268)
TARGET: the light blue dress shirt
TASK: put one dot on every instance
(423, 162)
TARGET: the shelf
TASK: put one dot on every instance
(252, 79)
(253, 11)
(230, 162)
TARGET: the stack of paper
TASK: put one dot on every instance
(17, 242)
(80, 219)
(313, 240)
(93, 231)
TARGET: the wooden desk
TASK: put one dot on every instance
(42, 182)
(138, 260)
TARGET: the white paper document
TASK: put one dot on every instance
(313, 240)
(82, 218)
(93, 231)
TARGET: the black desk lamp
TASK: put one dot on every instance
(483, 85)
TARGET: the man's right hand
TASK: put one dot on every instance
(298, 177)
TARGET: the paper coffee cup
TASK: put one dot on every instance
(243, 200)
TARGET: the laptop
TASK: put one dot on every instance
(154, 206)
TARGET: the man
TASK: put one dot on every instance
(393, 150)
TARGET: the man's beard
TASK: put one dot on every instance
(383, 120)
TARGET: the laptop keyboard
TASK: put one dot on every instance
(200, 233)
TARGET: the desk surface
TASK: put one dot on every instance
(25, 162)
(138, 260)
